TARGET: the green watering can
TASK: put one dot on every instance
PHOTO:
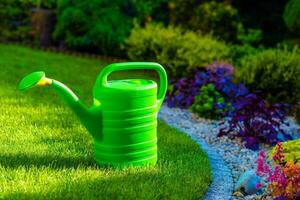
(123, 117)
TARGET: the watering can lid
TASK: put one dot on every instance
(132, 84)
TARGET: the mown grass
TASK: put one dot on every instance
(45, 153)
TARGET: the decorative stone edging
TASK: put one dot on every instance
(221, 187)
(222, 182)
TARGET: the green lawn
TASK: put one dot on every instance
(45, 153)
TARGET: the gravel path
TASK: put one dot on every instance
(229, 158)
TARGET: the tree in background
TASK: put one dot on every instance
(217, 18)
(99, 25)
(91, 25)
(15, 23)
(265, 15)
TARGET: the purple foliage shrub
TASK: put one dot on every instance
(256, 121)
(253, 119)
(183, 91)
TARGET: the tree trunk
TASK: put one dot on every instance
(43, 22)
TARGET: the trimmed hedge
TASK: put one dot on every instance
(179, 51)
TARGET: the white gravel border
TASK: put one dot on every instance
(229, 159)
(221, 187)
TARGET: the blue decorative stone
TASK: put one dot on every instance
(247, 182)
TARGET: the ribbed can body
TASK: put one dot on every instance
(129, 129)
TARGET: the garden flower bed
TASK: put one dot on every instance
(237, 157)
(243, 122)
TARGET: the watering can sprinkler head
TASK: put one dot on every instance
(33, 79)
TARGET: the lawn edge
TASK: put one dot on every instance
(221, 186)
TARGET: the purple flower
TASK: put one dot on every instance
(219, 74)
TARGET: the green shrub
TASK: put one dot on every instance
(15, 23)
(16, 18)
(217, 18)
(178, 51)
(149, 9)
(291, 150)
(248, 36)
(240, 51)
(95, 25)
(246, 40)
(47, 4)
(180, 11)
(274, 72)
(210, 103)
(207, 17)
(264, 15)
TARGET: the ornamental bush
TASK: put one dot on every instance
(256, 122)
(291, 151)
(283, 180)
(180, 52)
(210, 103)
(182, 91)
(238, 52)
(274, 72)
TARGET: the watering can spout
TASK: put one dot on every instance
(91, 117)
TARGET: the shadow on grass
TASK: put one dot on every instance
(39, 161)
(143, 184)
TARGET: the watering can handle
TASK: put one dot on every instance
(102, 78)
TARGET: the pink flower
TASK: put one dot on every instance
(284, 180)
(262, 168)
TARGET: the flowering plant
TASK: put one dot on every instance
(183, 91)
(284, 179)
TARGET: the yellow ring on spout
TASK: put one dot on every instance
(44, 82)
